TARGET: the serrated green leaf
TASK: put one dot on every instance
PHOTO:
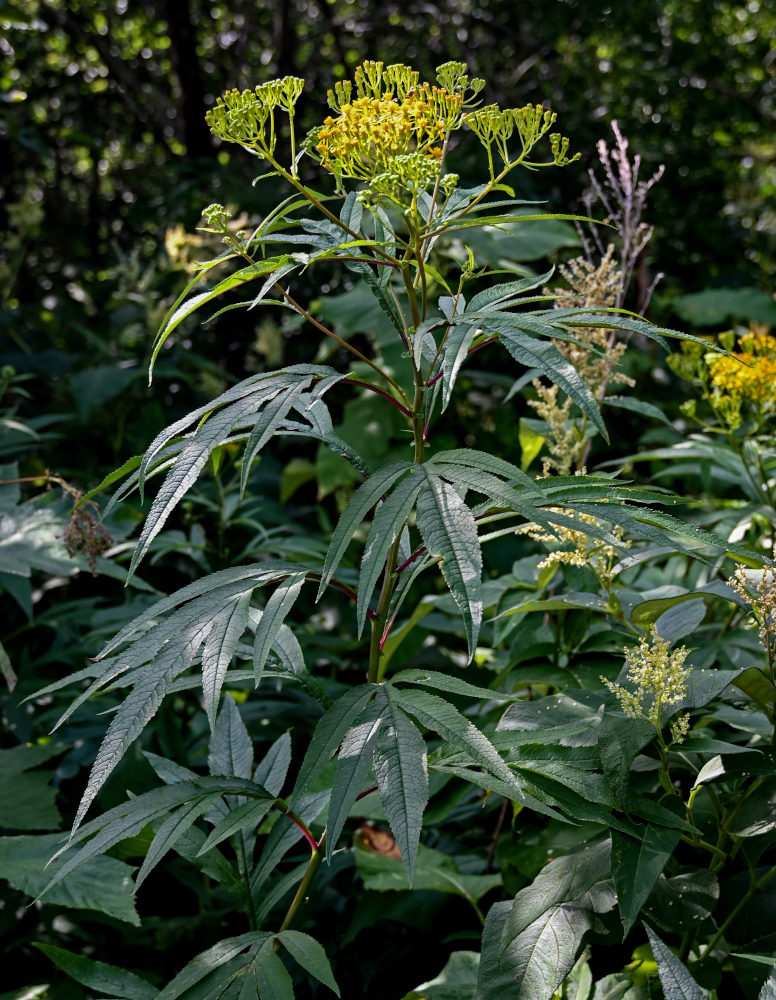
(106, 980)
(271, 771)
(244, 817)
(218, 650)
(446, 682)
(208, 961)
(231, 748)
(188, 307)
(636, 866)
(388, 522)
(137, 709)
(308, 953)
(354, 762)
(675, 979)
(439, 715)
(171, 830)
(768, 992)
(365, 497)
(544, 355)
(129, 818)
(277, 607)
(267, 977)
(449, 530)
(459, 340)
(329, 734)
(401, 773)
(273, 414)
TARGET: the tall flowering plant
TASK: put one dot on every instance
(418, 520)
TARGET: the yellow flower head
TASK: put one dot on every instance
(391, 115)
(747, 376)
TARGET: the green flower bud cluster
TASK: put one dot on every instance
(217, 216)
(412, 172)
(495, 126)
(247, 117)
(454, 78)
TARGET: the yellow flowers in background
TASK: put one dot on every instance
(738, 386)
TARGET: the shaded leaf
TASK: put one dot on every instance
(449, 530)
(104, 979)
(675, 979)
(401, 773)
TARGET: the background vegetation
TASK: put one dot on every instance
(106, 167)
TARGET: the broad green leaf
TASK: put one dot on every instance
(104, 884)
(218, 650)
(647, 612)
(457, 981)
(388, 522)
(27, 798)
(676, 981)
(493, 981)
(530, 442)
(681, 620)
(365, 497)
(104, 979)
(756, 812)
(277, 607)
(543, 931)
(439, 715)
(401, 773)
(715, 306)
(308, 953)
(636, 866)
(354, 762)
(449, 531)
(682, 902)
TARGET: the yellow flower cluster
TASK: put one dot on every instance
(749, 375)
(368, 133)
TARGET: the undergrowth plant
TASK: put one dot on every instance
(523, 738)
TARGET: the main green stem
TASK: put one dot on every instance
(301, 893)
